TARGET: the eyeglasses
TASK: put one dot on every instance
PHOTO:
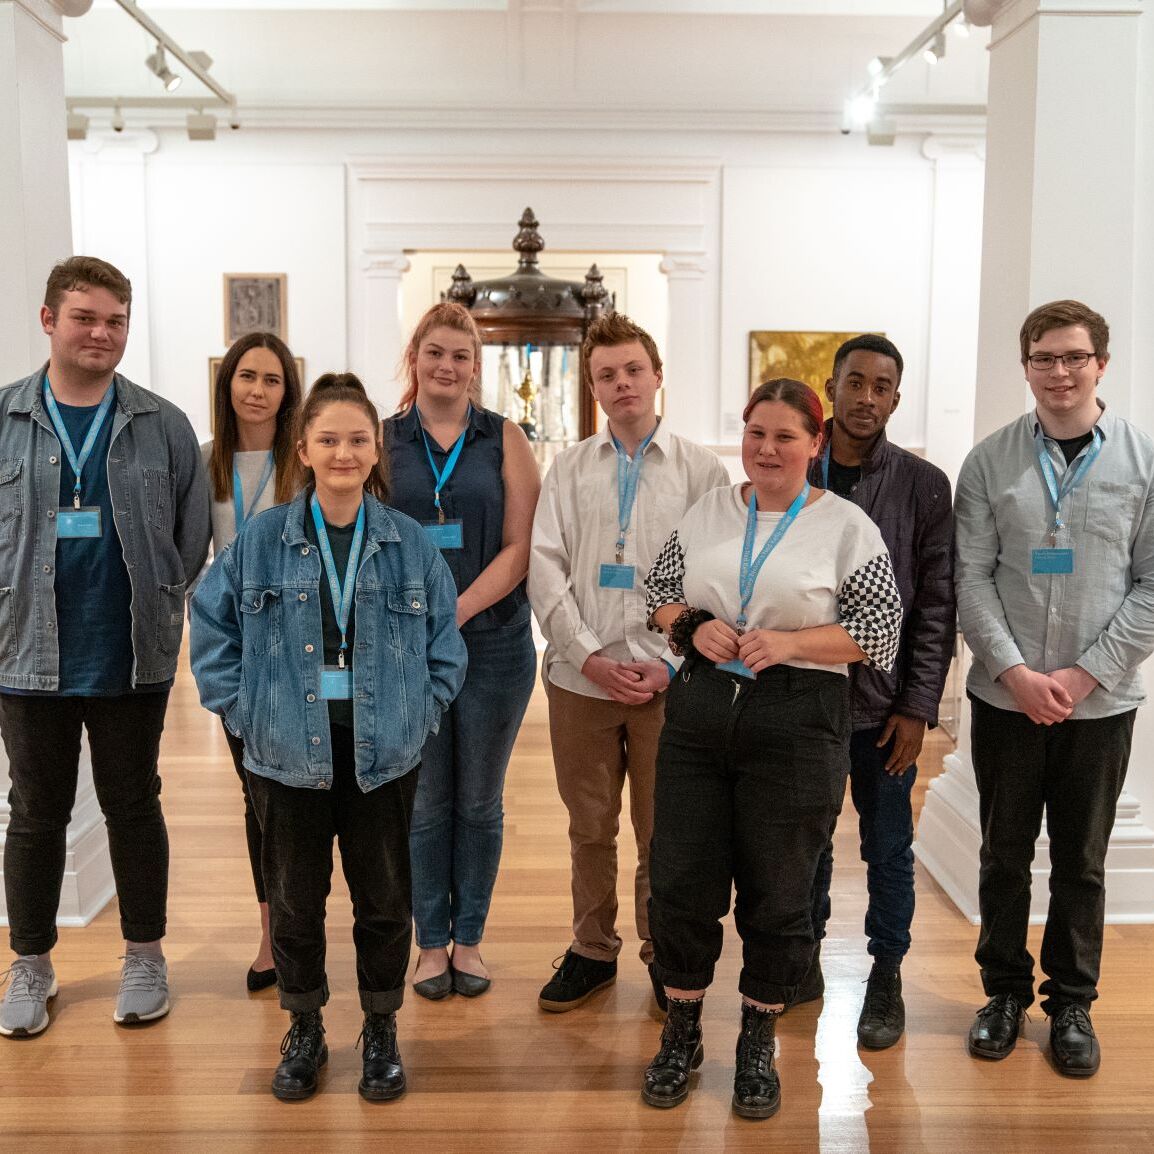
(1044, 362)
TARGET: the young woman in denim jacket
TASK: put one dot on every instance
(251, 466)
(470, 477)
(325, 636)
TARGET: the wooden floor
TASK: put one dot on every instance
(496, 1074)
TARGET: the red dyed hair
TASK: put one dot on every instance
(797, 395)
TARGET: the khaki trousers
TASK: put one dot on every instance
(597, 745)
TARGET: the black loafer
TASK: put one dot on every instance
(468, 985)
(1074, 1047)
(260, 979)
(994, 1033)
(435, 988)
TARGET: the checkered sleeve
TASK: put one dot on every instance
(870, 610)
(663, 585)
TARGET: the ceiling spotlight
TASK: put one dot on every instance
(862, 108)
(77, 126)
(877, 65)
(158, 64)
(961, 28)
(201, 126)
(935, 49)
(117, 119)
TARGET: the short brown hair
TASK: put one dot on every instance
(85, 272)
(615, 329)
(1060, 315)
(331, 389)
(449, 315)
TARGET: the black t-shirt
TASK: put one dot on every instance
(340, 541)
(1072, 446)
(843, 478)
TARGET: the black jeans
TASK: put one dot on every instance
(251, 824)
(372, 830)
(750, 775)
(1073, 772)
(886, 830)
(42, 738)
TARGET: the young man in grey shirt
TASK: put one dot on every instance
(1055, 584)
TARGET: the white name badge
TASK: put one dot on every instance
(737, 667)
(78, 522)
(616, 577)
(447, 534)
(336, 683)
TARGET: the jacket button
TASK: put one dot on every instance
(47, 568)
(322, 785)
(416, 605)
(305, 551)
(315, 740)
(51, 514)
(310, 697)
(302, 596)
(52, 460)
(308, 648)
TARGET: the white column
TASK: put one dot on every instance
(691, 352)
(376, 337)
(35, 232)
(1064, 75)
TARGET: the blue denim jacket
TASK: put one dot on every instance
(161, 504)
(257, 649)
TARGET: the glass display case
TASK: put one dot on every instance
(532, 326)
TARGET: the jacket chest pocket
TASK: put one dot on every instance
(260, 621)
(408, 617)
(11, 498)
(158, 500)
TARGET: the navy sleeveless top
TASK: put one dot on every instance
(474, 495)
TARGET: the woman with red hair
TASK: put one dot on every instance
(769, 589)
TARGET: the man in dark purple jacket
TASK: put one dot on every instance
(909, 500)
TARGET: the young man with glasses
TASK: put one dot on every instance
(1055, 584)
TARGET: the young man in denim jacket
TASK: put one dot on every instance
(104, 518)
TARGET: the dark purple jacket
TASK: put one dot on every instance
(910, 502)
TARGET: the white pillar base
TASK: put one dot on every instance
(88, 884)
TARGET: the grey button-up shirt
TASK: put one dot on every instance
(1101, 616)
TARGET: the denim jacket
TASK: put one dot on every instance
(257, 649)
(161, 506)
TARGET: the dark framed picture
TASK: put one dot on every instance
(214, 368)
(255, 302)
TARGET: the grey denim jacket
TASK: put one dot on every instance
(160, 501)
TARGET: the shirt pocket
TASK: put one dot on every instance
(11, 497)
(1112, 509)
(169, 617)
(408, 619)
(260, 621)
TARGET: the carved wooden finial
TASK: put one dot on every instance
(528, 241)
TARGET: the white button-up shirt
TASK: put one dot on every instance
(575, 532)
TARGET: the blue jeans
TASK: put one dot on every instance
(458, 819)
(886, 828)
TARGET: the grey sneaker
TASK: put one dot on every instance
(143, 990)
(24, 1011)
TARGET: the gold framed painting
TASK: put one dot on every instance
(255, 302)
(804, 356)
(214, 368)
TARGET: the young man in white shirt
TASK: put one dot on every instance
(606, 508)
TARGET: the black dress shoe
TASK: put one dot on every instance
(667, 1076)
(383, 1076)
(883, 1013)
(577, 979)
(435, 988)
(995, 1030)
(468, 985)
(659, 995)
(260, 979)
(304, 1053)
(1073, 1044)
(813, 984)
(756, 1087)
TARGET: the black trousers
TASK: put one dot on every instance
(42, 739)
(372, 830)
(750, 775)
(251, 824)
(1073, 773)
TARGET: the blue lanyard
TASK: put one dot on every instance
(628, 480)
(1070, 480)
(342, 595)
(825, 467)
(238, 490)
(751, 566)
(78, 462)
(441, 478)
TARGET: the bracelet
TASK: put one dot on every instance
(683, 628)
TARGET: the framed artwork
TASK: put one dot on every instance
(214, 368)
(255, 302)
(804, 356)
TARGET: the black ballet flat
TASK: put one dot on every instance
(260, 979)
